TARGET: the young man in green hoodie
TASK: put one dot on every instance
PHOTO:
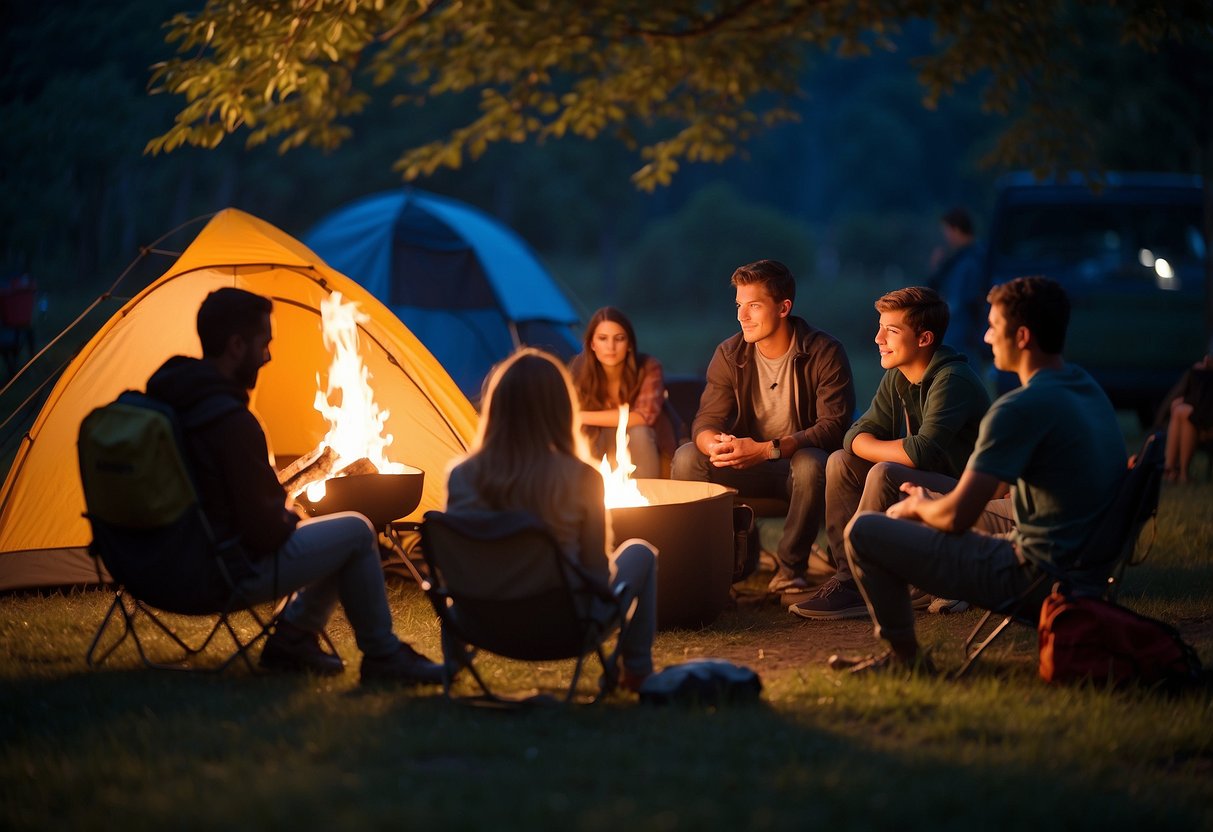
(920, 427)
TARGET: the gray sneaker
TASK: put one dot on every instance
(920, 600)
(943, 606)
(834, 600)
(784, 583)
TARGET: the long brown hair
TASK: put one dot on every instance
(589, 378)
(527, 430)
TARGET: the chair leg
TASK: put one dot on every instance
(129, 610)
(263, 630)
(117, 607)
(457, 655)
(610, 672)
(972, 651)
(572, 691)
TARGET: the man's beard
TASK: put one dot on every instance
(246, 373)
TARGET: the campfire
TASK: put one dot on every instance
(355, 443)
(690, 524)
(621, 489)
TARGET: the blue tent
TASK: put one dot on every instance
(466, 285)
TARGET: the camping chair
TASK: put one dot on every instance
(1100, 563)
(138, 598)
(499, 582)
(153, 539)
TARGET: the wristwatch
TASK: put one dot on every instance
(774, 453)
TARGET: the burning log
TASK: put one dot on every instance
(358, 466)
(319, 465)
(308, 469)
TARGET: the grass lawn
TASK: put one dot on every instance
(124, 747)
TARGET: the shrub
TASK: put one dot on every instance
(686, 259)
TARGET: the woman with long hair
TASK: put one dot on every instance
(529, 456)
(610, 371)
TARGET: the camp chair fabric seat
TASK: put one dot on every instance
(1098, 566)
(500, 582)
(172, 569)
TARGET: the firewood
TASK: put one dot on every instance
(321, 468)
(358, 466)
(301, 462)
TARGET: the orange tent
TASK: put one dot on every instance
(43, 535)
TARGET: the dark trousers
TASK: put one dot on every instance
(888, 556)
(800, 480)
(853, 484)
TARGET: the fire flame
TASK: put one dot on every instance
(621, 490)
(355, 421)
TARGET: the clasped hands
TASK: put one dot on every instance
(728, 451)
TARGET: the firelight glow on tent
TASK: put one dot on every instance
(43, 535)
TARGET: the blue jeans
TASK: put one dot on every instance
(633, 564)
(330, 559)
(800, 480)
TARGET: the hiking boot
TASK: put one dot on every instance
(405, 666)
(920, 600)
(292, 649)
(886, 662)
(834, 600)
(943, 606)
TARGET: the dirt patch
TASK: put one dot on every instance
(760, 633)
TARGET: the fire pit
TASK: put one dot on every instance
(381, 497)
(691, 523)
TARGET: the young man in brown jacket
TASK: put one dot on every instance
(779, 398)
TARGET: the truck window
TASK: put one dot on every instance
(1103, 235)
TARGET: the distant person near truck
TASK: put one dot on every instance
(959, 278)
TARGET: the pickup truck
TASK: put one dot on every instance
(1131, 257)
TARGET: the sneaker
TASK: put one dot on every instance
(783, 583)
(942, 606)
(835, 599)
(292, 649)
(406, 666)
(886, 662)
(920, 600)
